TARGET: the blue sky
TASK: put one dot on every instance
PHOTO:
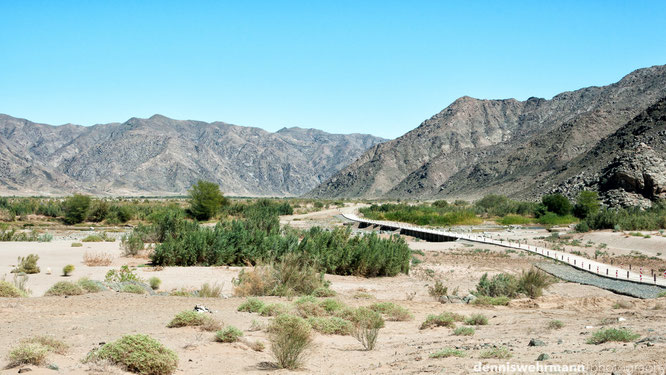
(378, 67)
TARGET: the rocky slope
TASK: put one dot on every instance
(159, 155)
(628, 167)
(475, 147)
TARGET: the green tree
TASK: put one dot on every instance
(76, 208)
(557, 203)
(587, 204)
(205, 200)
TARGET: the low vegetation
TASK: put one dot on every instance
(555, 324)
(228, 334)
(27, 354)
(96, 258)
(464, 331)
(138, 353)
(532, 283)
(331, 325)
(612, 334)
(252, 305)
(190, 318)
(211, 290)
(65, 288)
(34, 350)
(501, 352)
(90, 286)
(442, 320)
(477, 320)
(448, 352)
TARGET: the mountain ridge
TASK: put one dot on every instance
(478, 146)
(163, 156)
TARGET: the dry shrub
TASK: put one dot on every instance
(290, 336)
(292, 275)
(367, 324)
(92, 259)
(211, 290)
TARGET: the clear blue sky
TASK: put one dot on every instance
(378, 67)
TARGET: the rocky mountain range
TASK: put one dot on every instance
(162, 156)
(518, 148)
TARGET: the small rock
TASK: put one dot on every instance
(470, 298)
(543, 357)
(443, 299)
(455, 299)
(621, 319)
(536, 342)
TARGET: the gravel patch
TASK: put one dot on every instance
(628, 288)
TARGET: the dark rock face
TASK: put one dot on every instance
(628, 167)
(159, 155)
(475, 147)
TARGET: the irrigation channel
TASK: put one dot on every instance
(588, 265)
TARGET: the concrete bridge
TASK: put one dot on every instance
(582, 263)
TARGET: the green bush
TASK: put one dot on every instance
(64, 288)
(154, 282)
(661, 294)
(206, 200)
(290, 337)
(76, 208)
(587, 204)
(464, 331)
(477, 320)
(331, 305)
(124, 274)
(512, 219)
(422, 214)
(557, 204)
(612, 334)
(252, 305)
(501, 352)
(331, 325)
(367, 324)
(27, 264)
(132, 244)
(533, 282)
(441, 320)
(492, 301)
(447, 352)
(77, 244)
(555, 324)
(228, 334)
(324, 292)
(90, 286)
(138, 353)
(8, 289)
(438, 290)
(502, 284)
(190, 318)
(67, 270)
(274, 309)
(392, 311)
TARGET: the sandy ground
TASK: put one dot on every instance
(85, 321)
